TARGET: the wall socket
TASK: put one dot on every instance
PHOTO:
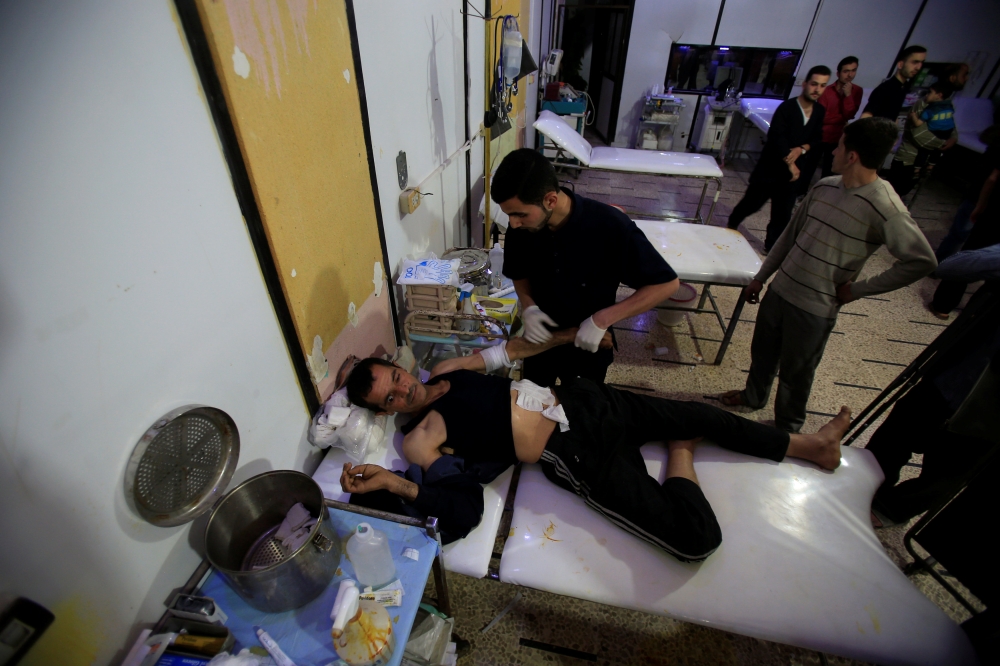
(409, 200)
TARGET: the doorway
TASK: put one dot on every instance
(593, 35)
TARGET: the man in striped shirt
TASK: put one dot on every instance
(842, 221)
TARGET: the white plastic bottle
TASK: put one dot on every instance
(368, 550)
(496, 266)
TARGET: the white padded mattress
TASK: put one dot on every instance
(799, 562)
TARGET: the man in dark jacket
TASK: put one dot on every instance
(797, 128)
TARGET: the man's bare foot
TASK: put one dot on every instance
(732, 399)
(823, 447)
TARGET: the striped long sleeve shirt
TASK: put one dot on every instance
(829, 239)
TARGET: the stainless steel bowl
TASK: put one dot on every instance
(239, 542)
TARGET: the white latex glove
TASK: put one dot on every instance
(590, 335)
(534, 325)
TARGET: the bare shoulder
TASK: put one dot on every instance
(431, 426)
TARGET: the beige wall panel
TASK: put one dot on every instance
(287, 70)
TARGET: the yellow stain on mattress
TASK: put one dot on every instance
(73, 639)
(874, 617)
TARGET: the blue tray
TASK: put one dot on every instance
(304, 633)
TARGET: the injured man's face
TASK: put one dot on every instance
(395, 390)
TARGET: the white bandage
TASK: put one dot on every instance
(495, 357)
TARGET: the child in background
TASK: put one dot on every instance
(937, 111)
(930, 127)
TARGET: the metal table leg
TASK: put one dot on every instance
(701, 201)
(737, 311)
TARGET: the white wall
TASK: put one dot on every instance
(655, 26)
(128, 286)
(411, 57)
(827, 44)
(952, 31)
(773, 24)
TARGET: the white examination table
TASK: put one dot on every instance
(469, 556)
(570, 145)
(756, 111)
(710, 256)
(799, 562)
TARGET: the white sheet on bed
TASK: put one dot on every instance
(469, 556)
(625, 159)
(799, 562)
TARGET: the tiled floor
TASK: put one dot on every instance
(874, 339)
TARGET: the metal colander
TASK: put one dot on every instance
(266, 552)
(181, 464)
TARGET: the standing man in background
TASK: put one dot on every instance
(841, 102)
(886, 101)
(797, 128)
(567, 255)
(841, 222)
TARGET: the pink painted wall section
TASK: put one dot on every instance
(373, 336)
(258, 33)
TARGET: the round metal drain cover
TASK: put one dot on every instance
(182, 464)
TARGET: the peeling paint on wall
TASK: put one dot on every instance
(347, 75)
(378, 279)
(318, 365)
(352, 314)
(240, 63)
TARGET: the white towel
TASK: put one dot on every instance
(537, 398)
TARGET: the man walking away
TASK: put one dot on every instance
(841, 222)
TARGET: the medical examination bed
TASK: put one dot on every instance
(710, 256)
(799, 563)
(753, 112)
(575, 152)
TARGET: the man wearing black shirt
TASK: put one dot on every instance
(796, 128)
(886, 101)
(567, 254)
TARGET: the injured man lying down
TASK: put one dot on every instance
(468, 427)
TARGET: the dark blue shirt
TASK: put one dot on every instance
(575, 270)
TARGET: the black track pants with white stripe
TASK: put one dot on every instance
(598, 458)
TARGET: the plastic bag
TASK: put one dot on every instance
(359, 433)
(364, 433)
(429, 271)
(429, 639)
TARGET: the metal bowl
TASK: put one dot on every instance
(181, 465)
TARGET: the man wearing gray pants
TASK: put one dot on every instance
(842, 221)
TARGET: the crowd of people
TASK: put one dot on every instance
(586, 434)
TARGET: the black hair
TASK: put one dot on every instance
(822, 70)
(525, 174)
(944, 87)
(905, 54)
(359, 382)
(871, 138)
(849, 60)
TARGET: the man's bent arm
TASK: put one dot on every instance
(517, 348)
(913, 254)
(643, 300)
(523, 289)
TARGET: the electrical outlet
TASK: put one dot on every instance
(409, 201)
